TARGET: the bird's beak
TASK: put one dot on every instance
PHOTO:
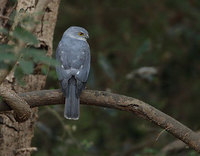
(87, 37)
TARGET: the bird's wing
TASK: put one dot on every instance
(61, 72)
(83, 71)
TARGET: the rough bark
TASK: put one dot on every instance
(106, 99)
(15, 137)
(21, 108)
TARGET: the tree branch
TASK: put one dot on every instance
(4, 17)
(21, 109)
(106, 99)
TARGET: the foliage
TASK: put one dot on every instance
(22, 51)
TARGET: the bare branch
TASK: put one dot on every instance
(106, 99)
(4, 17)
(19, 105)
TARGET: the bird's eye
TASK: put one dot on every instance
(80, 34)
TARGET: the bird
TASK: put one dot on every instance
(73, 57)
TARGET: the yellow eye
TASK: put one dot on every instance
(80, 34)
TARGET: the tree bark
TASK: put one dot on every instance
(15, 137)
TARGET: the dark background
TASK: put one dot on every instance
(162, 38)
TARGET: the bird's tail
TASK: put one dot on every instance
(72, 101)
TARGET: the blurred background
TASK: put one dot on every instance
(148, 50)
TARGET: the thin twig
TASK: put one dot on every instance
(160, 134)
(4, 17)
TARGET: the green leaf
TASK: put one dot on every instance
(12, 17)
(39, 56)
(45, 69)
(52, 74)
(53, 62)
(19, 76)
(5, 56)
(3, 65)
(6, 47)
(31, 52)
(24, 35)
(26, 66)
(3, 30)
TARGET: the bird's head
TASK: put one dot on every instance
(77, 33)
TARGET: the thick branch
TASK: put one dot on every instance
(106, 99)
(19, 105)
